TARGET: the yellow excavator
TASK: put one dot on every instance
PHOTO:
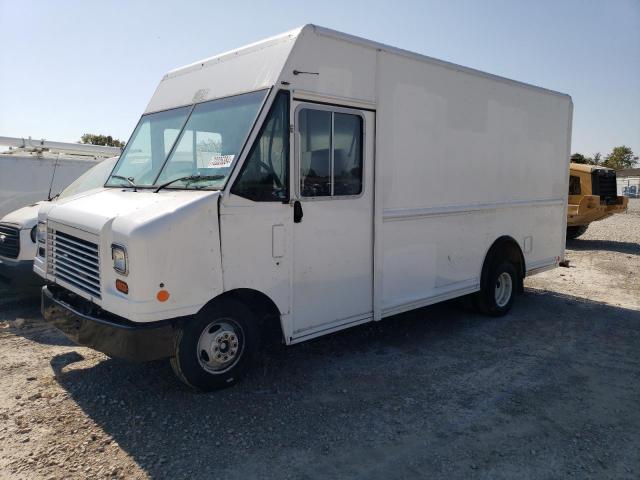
(592, 197)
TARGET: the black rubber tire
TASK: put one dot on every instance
(485, 300)
(185, 362)
(575, 232)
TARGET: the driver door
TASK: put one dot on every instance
(333, 239)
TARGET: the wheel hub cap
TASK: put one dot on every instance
(220, 346)
(504, 289)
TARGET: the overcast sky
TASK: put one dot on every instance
(70, 67)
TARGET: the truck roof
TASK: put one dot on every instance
(418, 56)
(261, 65)
(349, 38)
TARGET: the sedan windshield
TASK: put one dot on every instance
(187, 142)
(92, 178)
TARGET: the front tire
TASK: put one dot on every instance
(498, 289)
(575, 232)
(215, 348)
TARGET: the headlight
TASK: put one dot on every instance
(41, 233)
(119, 256)
(34, 233)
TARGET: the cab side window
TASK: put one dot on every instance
(574, 185)
(330, 153)
(265, 174)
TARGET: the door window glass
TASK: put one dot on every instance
(315, 153)
(265, 174)
(347, 155)
(330, 153)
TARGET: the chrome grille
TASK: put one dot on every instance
(74, 260)
(9, 241)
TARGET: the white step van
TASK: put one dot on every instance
(310, 182)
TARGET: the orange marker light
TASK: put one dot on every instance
(162, 296)
(122, 286)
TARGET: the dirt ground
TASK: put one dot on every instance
(551, 390)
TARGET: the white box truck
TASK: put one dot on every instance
(303, 183)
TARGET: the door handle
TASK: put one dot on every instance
(297, 212)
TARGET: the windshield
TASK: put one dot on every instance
(92, 178)
(187, 142)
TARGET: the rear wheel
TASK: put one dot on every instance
(498, 289)
(216, 347)
(575, 232)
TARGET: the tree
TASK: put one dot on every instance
(621, 157)
(578, 158)
(108, 140)
(596, 159)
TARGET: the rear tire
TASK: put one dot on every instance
(498, 289)
(215, 348)
(575, 232)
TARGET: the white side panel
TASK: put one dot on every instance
(256, 249)
(418, 262)
(452, 138)
(430, 255)
(464, 159)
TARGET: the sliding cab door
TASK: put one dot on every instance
(333, 239)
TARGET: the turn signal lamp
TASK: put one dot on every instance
(122, 286)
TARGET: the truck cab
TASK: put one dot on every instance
(592, 197)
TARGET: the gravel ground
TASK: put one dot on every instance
(551, 390)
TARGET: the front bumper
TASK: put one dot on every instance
(87, 325)
(19, 273)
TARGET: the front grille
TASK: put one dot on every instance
(603, 183)
(9, 241)
(74, 260)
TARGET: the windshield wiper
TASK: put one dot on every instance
(190, 179)
(128, 179)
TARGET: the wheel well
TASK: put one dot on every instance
(265, 310)
(505, 248)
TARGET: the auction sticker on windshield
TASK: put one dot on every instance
(220, 161)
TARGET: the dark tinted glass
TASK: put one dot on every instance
(574, 185)
(265, 173)
(347, 154)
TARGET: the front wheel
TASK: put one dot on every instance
(498, 289)
(216, 347)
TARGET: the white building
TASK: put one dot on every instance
(628, 181)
